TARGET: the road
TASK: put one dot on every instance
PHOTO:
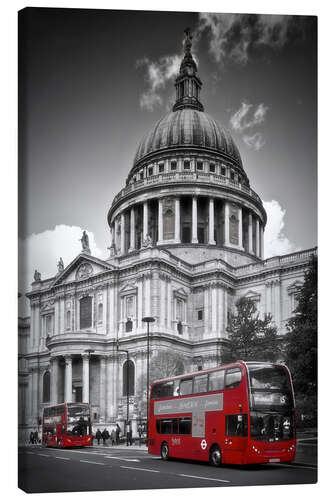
(44, 470)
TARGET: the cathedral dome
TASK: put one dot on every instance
(188, 127)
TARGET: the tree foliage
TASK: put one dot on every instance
(164, 364)
(251, 338)
(301, 342)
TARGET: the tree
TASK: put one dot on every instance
(164, 364)
(251, 338)
(301, 343)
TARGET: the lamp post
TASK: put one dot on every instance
(148, 319)
(127, 389)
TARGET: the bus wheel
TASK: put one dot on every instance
(215, 456)
(164, 451)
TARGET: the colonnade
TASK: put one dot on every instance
(254, 241)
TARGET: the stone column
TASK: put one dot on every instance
(145, 220)
(211, 240)
(226, 224)
(85, 377)
(68, 378)
(262, 251)
(214, 309)
(194, 219)
(54, 380)
(240, 227)
(132, 230)
(169, 304)
(122, 233)
(257, 237)
(110, 407)
(140, 314)
(162, 302)
(250, 234)
(102, 388)
(160, 222)
(177, 220)
(147, 294)
(29, 397)
(206, 311)
(225, 311)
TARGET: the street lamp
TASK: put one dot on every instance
(127, 389)
(148, 319)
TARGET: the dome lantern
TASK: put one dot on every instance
(188, 84)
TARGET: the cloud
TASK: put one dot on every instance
(42, 251)
(275, 242)
(157, 75)
(255, 141)
(233, 37)
(242, 119)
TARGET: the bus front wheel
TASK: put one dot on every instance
(164, 451)
(216, 456)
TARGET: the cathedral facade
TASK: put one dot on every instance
(187, 241)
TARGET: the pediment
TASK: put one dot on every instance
(181, 292)
(82, 267)
(129, 287)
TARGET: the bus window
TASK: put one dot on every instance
(216, 381)
(185, 386)
(232, 378)
(163, 390)
(166, 426)
(185, 425)
(200, 383)
(236, 425)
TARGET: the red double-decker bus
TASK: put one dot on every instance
(239, 413)
(67, 425)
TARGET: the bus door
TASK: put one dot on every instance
(235, 440)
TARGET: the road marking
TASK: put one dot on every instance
(125, 459)
(90, 462)
(63, 458)
(138, 468)
(43, 455)
(296, 466)
(30, 453)
(206, 478)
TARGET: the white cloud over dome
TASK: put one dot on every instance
(275, 241)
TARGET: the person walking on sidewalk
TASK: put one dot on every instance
(105, 436)
(98, 436)
(117, 434)
(113, 437)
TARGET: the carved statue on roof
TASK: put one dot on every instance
(60, 265)
(85, 242)
(37, 275)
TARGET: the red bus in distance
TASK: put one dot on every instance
(239, 413)
(67, 425)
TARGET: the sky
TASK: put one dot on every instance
(93, 83)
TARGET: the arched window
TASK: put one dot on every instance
(85, 312)
(128, 374)
(129, 325)
(46, 387)
(68, 320)
(100, 313)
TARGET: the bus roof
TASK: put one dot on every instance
(220, 367)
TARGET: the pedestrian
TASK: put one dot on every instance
(105, 436)
(113, 437)
(130, 436)
(98, 436)
(36, 437)
(117, 434)
(32, 438)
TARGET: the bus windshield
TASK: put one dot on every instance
(78, 420)
(270, 387)
(271, 403)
